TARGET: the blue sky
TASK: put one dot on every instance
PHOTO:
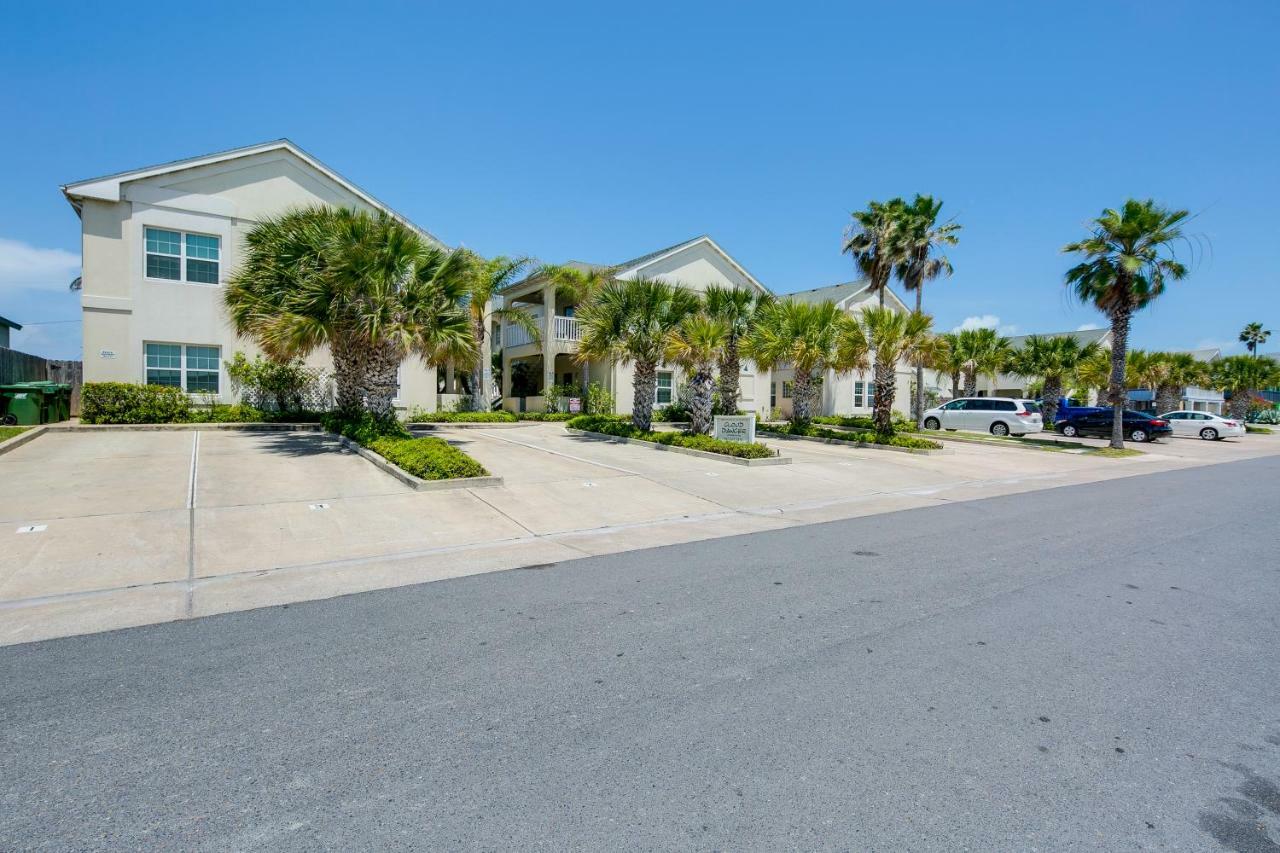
(598, 132)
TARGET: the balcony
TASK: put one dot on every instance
(564, 329)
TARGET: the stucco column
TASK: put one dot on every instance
(507, 364)
(548, 337)
(486, 356)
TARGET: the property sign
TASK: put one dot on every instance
(106, 353)
(740, 428)
(575, 405)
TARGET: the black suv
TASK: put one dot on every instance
(1138, 426)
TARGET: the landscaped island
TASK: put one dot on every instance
(615, 426)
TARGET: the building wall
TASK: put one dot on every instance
(124, 309)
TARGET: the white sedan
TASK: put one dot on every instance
(1204, 425)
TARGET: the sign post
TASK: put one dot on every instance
(740, 428)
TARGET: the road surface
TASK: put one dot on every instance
(1089, 667)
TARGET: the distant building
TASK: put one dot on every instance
(5, 326)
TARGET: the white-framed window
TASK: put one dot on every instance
(193, 368)
(664, 387)
(864, 395)
(746, 367)
(181, 256)
(786, 389)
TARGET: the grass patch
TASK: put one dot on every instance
(1260, 430)
(427, 457)
(612, 425)
(1038, 443)
(911, 442)
(1112, 453)
(8, 432)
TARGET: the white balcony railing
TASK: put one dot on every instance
(568, 329)
(565, 329)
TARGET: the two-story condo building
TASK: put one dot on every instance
(159, 243)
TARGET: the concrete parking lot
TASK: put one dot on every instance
(106, 529)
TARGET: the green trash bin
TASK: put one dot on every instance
(23, 404)
(57, 400)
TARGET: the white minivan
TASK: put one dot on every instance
(996, 415)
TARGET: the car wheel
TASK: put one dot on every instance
(1138, 435)
(1000, 428)
(1069, 431)
(1209, 434)
(931, 423)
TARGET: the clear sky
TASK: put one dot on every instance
(600, 131)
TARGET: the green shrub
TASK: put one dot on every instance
(281, 386)
(865, 437)
(671, 413)
(625, 429)
(427, 457)
(126, 403)
(364, 427)
(545, 416)
(600, 400)
(461, 417)
(862, 422)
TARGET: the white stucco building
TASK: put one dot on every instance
(696, 264)
(159, 243)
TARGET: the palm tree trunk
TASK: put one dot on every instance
(1049, 400)
(919, 397)
(1238, 405)
(643, 383)
(1168, 398)
(1120, 316)
(886, 389)
(971, 381)
(955, 385)
(730, 365)
(801, 397)
(348, 371)
(700, 403)
(384, 360)
(479, 387)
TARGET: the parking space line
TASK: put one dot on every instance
(191, 523)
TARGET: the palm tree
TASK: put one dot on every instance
(633, 322)
(984, 353)
(872, 240)
(1181, 370)
(922, 241)
(1241, 376)
(736, 309)
(893, 337)
(487, 280)
(1128, 257)
(696, 345)
(1254, 336)
(949, 359)
(1093, 371)
(1145, 370)
(812, 338)
(364, 284)
(1054, 361)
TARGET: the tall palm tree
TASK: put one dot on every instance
(1241, 376)
(922, 242)
(949, 359)
(1054, 361)
(812, 338)
(633, 322)
(579, 286)
(364, 284)
(893, 337)
(1128, 258)
(1254, 336)
(736, 309)
(696, 345)
(873, 241)
(1181, 370)
(984, 353)
(485, 283)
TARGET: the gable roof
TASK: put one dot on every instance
(1082, 337)
(1204, 354)
(108, 187)
(9, 323)
(835, 292)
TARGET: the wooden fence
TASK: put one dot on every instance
(23, 367)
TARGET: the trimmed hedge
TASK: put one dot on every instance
(126, 403)
(463, 418)
(613, 425)
(862, 422)
(547, 416)
(866, 437)
(427, 457)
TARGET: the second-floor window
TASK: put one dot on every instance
(179, 256)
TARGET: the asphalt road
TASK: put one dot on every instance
(1092, 667)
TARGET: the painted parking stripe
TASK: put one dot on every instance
(32, 528)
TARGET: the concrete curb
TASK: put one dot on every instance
(410, 480)
(246, 427)
(1048, 445)
(21, 439)
(915, 451)
(687, 451)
